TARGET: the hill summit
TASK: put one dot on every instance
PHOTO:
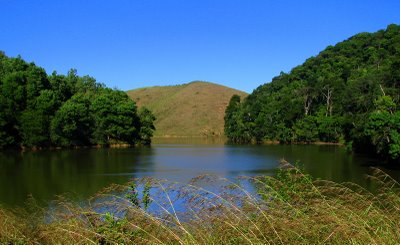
(193, 109)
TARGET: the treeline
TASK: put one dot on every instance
(40, 110)
(348, 93)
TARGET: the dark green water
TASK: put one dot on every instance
(83, 172)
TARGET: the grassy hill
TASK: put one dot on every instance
(193, 109)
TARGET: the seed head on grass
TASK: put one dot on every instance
(289, 208)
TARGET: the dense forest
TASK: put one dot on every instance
(40, 110)
(348, 93)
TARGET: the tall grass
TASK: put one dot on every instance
(290, 207)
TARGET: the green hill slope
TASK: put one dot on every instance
(193, 109)
(349, 92)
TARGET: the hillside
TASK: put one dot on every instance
(193, 109)
(347, 93)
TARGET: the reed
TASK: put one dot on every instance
(290, 207)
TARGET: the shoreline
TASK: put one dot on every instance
(171, 137)
(264, 142)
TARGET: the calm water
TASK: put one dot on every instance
(83, 172)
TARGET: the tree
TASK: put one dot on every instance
(305, 130)
(12, 101)
(329, 128)
(34, 129)
(383, 128)
(327, 93)
(115, 116)
(35, 121)
(330, 97)
(38, 110)
(146, 125)
(233, 116)
(73, 123)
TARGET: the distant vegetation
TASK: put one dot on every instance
(291, 208)
(38, 110)
(348, 93)
(193, 109)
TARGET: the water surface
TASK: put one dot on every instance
(83, 172)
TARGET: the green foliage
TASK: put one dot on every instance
(330, 98)
(34, 128)
(306, 129)
(133, 195)
(38, 110)
(115, 117)
(72, 124)
(235, 130)
(147, 128)
(146, 195)
(231, 115)
(383, 128)
(330, 129)
(289, 182)
(114, 229)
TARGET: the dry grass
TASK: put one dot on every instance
(193, 109)
(290, 208)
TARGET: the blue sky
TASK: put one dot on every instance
(128, 44)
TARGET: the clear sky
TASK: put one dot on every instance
(128, 44)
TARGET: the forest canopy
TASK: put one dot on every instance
(40, 110)
(348, 93)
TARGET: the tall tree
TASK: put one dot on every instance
(146, 125)
(116, 118)
(232, 116)
(73, 123)
(383, 128)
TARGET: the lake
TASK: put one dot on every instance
(83, 172)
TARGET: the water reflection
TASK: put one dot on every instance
(85, 171)
(79, 172)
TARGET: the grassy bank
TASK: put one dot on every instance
(288, 208)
